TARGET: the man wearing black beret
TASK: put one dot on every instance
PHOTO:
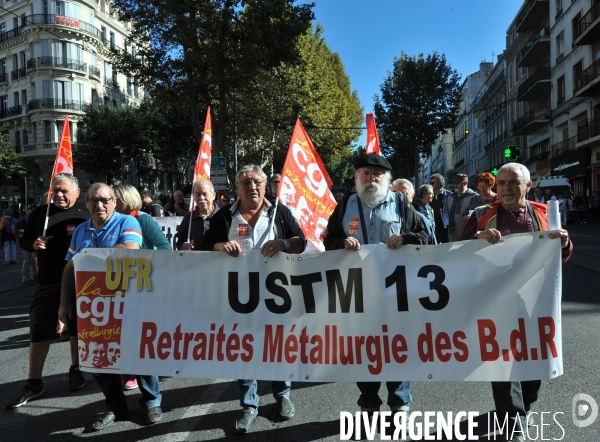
(375, 215)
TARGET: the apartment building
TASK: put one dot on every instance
(54, 59)
(441, 155)
(577, 153)
(464, 145)
(491, 120)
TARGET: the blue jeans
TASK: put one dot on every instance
(28, 270)
(249, 395)
(111, 386)
(398, 394)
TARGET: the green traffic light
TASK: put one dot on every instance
(507, 153)
(494, 171)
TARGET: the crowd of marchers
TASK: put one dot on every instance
(380, 211)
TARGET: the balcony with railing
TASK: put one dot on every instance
(18, 73)
(588, 134)
(94, 72)
(63, 21)
(3, 77)
(587, 29)
(535, 49)
(10, 35)
(31, 63)
(564, 146)
(109, 82)
(490, 92)
(533, 15)
(587, 82)
(55, 103)
(537, 86)
(61, 62)
(532, 121)
(538, 151)
(13, 111)
(494, 112)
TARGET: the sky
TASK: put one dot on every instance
(368, 34)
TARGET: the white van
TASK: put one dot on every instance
(556, 184)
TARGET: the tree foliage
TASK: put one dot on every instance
(11, 168)
(419, 100)
(199, 53)
(317, 90)
(154, 137)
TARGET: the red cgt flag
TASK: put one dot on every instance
(202, 169)
(63, 163)
(304, 188)
(372, 136)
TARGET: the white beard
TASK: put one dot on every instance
(372, 193)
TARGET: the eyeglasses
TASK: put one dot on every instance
(433, 183)
(66, 175)
(94, 201)
(246, 183)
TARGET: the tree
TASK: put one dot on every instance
(154, 137)
(318, 91)
(11, 168)
(200, 53)
(419, 100)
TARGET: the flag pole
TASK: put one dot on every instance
(63, 163)
(202, 168)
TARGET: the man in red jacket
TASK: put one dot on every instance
(512, 213)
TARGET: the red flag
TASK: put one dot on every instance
(63, 163)
(64, 155)
(304, 188)
(202, 169)
(372, 136)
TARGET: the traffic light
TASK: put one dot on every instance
(494, 171)
(512, 152)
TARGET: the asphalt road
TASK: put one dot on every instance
(205, 409)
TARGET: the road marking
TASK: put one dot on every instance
(186, 423)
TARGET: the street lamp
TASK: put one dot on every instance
(122, 164)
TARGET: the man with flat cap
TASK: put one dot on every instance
(456, 204)
(375, 215)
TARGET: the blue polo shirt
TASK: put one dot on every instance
(118, 230)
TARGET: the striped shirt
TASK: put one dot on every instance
(119, 229)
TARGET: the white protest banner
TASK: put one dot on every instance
(458, 311)
(169, 226)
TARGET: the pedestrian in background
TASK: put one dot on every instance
(8, 238)
(438, 204)
(485, 182)
(456, 204)
(28, 270)
(595, 206)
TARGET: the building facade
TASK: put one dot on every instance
(54, 60)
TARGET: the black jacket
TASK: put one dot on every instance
(285, 226)
(61, 225)
(199, 227)
(413, 230)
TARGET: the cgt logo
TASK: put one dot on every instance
(585, 410)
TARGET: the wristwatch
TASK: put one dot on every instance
(286, 244)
